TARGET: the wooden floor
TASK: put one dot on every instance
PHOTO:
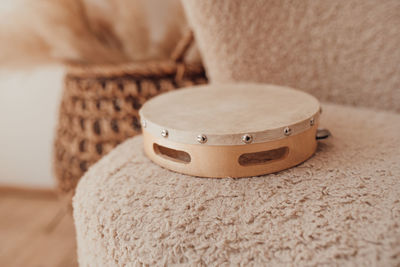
(34, 231)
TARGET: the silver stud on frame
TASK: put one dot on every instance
(164, 133)
(144, 123)
(312, 121)
(247, 138)
(201, 138)
(287, 131)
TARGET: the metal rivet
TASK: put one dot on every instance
(201, 138)
(312, 121)
(247, 138)
(287, 131)
(144, 123)
(164, 133)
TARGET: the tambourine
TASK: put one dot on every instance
(230, 130)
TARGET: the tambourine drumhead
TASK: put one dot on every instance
(212, 130)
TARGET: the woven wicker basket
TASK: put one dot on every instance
(99, 107)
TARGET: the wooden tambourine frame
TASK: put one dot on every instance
(239, 130)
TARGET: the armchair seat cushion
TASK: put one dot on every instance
(341, 206)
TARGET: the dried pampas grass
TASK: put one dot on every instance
(88, 31)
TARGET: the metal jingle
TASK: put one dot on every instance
(322, 134)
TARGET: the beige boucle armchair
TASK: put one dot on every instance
(341, 207)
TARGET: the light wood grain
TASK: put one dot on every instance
(29, 236)
(223, 161)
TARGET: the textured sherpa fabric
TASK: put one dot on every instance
(339, 208)
(340, 51)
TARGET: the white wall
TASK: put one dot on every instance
(28, 112)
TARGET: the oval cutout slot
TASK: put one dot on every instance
(263, 157)
(172, 154)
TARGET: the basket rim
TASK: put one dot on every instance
(153, 68)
